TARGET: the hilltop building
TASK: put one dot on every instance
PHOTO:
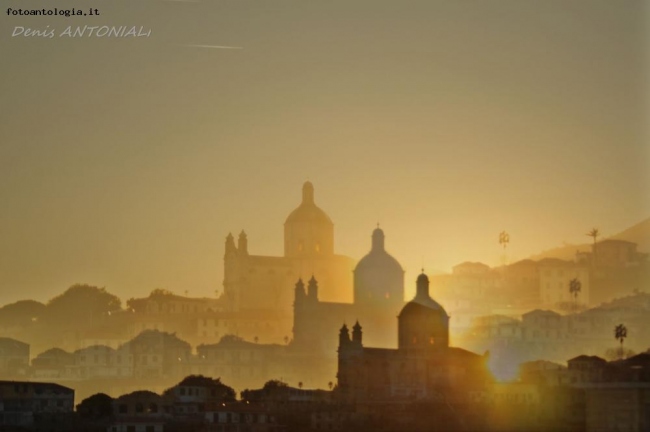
(255, 282)
(423, 366)
(378, 297)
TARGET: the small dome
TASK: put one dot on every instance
(416, 305)
(308, 211)
(423, 323)
(422, 299)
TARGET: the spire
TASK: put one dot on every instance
(344, 336)
(356, 333)
(307, 193)
(230, 243)
(312, 288)
(299, 290)
(242, 242)
(378, 239)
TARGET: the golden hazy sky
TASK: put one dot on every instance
(125, 162)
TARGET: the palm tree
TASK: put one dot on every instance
(620, 333)
(330, 385)
(574, 289)
(300, 384)
(504, 239)
(256, 339)
(286, 340)
(594, 233)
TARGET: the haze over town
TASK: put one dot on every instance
(445, 122)
(267, 216)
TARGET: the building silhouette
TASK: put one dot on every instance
(262, 283)
(378, 296)
(423, 366)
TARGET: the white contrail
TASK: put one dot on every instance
(212, 46)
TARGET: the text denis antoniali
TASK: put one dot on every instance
(84, 32)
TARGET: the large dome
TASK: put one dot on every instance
(308, 231)
(308, 211)
(378, 277)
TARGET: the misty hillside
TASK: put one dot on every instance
(639, 233)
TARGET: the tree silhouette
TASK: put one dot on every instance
(272, 384)
(81, 306)
(286, 340)
(330, 385)
(256, 339)
(594, 233)
(21, 313)
(620, 333)
(96, 406)
(300, 384)
(504, 239)
(575, 286)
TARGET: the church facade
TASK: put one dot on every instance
(378, 297)
(423, 366)
(265, 286)
(264, 283)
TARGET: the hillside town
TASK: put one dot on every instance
(531, 345)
